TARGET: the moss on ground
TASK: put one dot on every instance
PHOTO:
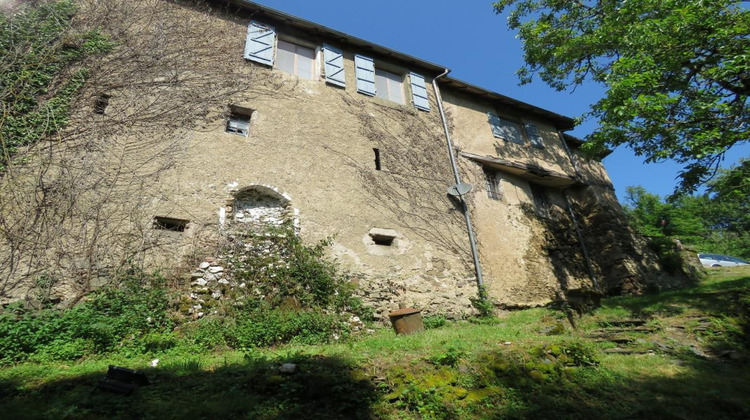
(686, 357)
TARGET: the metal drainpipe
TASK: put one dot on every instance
(472, 240)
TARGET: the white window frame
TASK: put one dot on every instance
(314, 71)
(382, 79)
(238, 122)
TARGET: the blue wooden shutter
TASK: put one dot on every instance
(533, 132)
(495, 124)
(260, 42)
(419, 92)
(365, 72)
(334, 65)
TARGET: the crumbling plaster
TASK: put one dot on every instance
(307, 141)
(314, 143)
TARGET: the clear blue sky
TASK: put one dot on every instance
(470, 39)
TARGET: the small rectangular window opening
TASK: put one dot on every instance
(101, 103)
(541, 203)
(383, 240)
(171, 224)
(239, 121)
(377, 158)
(491, 184)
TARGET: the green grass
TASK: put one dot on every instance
(692, 364)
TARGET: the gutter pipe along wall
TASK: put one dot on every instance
(457, 177)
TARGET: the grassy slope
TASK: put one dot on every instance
(689, 360)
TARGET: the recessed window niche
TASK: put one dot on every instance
(170, 224)
(382, 240)
(260, 206)
(385, 242)
(239, 120)
(101, 103)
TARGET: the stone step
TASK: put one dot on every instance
(604, 338)
(618, 350)
(623, 323)
(615, 330)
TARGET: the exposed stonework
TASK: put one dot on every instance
(163, 148)
(213, 286)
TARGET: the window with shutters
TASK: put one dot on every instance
(515, 132)
(295, 59)
(534, 137)
(239, 121)
(419, 92)
(260, 42)
(365, 73)
(333, 66)
(506, 130)
(375, 81)
(389, 86)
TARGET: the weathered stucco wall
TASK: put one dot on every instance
(533, 251)
(161, 149)
(473, 133)
(310, 140)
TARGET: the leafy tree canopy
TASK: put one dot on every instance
(716, 221)
(730, 195)
(676, 72)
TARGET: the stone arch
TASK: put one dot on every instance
(261, 206)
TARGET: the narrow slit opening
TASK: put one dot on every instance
(377, 159)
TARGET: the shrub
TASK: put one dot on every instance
(132, 314)
(62, 349)
(266, 326)
(450, 357)
(300, 296)
(209, 333)
(434, 321)
(483, 304)
(288, 273)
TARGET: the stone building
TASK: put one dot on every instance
(228, 113)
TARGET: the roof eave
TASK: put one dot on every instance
(577, 142)
(533, 173)
(561, 122)
(264, 12)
